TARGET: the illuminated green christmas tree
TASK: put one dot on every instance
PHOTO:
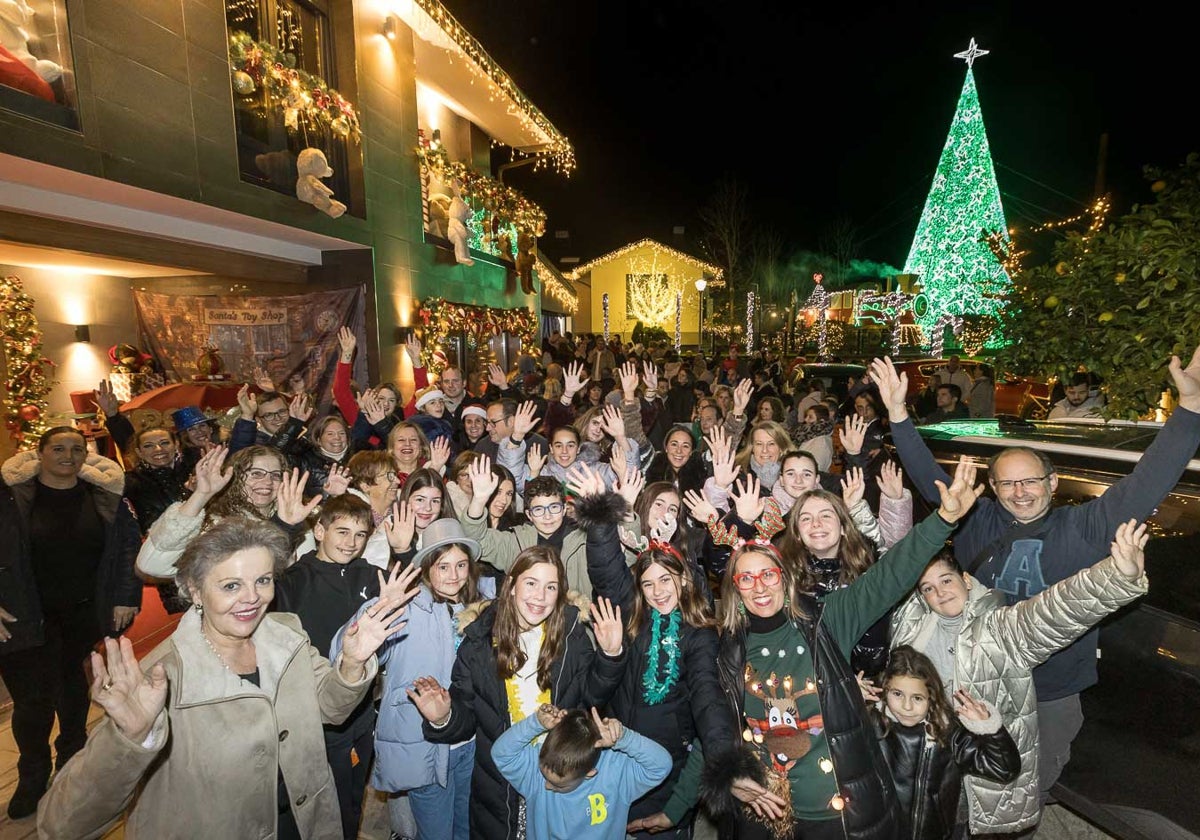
(958, 270)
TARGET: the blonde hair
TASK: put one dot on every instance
(777, 432)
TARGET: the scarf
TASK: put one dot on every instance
(768, 474)
(808, 431)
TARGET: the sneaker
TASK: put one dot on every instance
(26, 797)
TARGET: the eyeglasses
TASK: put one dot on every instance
(1023, 483)
(274, 415)
(490, 422)
(390, 475)
(256, 474)
(768, 577)
(547, 510)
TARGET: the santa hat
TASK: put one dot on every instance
(429, 396)
(474, 411)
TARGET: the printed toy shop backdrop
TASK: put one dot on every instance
(286, 335)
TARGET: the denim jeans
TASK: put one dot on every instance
(432, 804)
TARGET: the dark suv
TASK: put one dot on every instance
(1137, 759)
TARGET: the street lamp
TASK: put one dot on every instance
(701, 284)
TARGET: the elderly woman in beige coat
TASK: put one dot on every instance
(239, 728)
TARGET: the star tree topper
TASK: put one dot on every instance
(971, 53)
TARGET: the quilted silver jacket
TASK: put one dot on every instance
(998, 647)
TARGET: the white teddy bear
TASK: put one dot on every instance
(456, 228)
(15, 15)
(311, 165)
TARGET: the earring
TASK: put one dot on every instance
(199, 608)
(741, 608)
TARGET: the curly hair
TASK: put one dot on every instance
(232, 500)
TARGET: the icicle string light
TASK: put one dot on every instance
(604, 306)
(750, 301)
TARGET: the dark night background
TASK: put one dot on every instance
(839, 110)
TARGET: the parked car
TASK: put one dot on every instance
(834, 376)
(1015, 395)
(1136, 762)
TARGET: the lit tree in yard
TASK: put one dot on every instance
(1119, 300)
(959, 273)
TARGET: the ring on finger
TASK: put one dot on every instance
(107, 686)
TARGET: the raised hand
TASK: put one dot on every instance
(300, 407)
(630, 485)
(348, 341)
(131, 699)
(550, 716)
(337, 482)
(764, 803)
(854, 432)
(870, 691)
(535, 459)
(369, 405)
(363, 637)
(496, 377)
(439, 453)
(1128, 548)
(412, 346)
(263, 379)
(290, 506)
(724, 468)
(1187, 381)
(741, 396)
(650, 378)
(400, 527)
(699, 506)
(106, 400)
(893, 387)
(606, 626)
(613, 423)
(746, 499)
(431, 700)
(958, 498)
(573, 382)
(891, 480)
(400, 585)
(618, 456)
(583, 481)
(629, 381)
(483, 481)
(247, 403)
(210, 477)
(853, 487)
(610, 730)
(968, 708)
(524, 420)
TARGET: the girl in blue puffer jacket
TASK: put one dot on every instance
(437, 777)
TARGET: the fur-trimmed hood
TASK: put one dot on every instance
(97, 470)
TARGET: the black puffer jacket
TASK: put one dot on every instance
(304, 454)
(695, 704)
(863, 777)
(582, 677)
(928, 775)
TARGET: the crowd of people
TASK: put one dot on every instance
(595, 595)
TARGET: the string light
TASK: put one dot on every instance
(553, 287)
(442, 318)
(819, 300)
(431, 22)
(938, 345)
(678, 319)
(750, 300)
(890, 305)
(714, 272)
(958, 271)
(27, 383)
(604, 305)
(509, 206)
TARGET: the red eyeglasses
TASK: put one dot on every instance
(769, 577)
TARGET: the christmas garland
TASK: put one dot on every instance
(655, 690)
(508, 205)
(260, 65)
(441, 319)
(27, 384)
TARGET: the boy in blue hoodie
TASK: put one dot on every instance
(581, 781)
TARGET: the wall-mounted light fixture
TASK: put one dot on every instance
(83, 332)
(389, 27)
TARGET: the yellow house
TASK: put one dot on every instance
(645, 281)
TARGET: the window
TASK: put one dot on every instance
(271, 133)
(37, 75)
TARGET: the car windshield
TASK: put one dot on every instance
(1123, 437)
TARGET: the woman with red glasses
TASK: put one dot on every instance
(669, 691)
(806, 766)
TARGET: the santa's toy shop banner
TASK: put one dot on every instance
(286, 336)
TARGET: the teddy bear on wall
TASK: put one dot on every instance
(526, 242)
(15, 17)
(311, 165)
(459, 214)
(439, 214)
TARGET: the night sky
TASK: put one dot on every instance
(838, 110)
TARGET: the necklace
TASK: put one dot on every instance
(655, 690)
(217, 654)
